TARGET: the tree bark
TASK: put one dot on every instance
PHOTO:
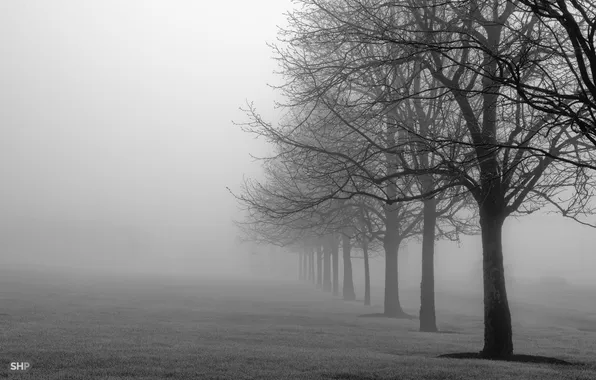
(498, 334)
(327, 265)
(428, 321)
(319, 267)
(391, 240)
(335, 259)
(391, 244)
(348, 283)
(366, 271)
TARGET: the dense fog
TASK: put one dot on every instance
(118, 144)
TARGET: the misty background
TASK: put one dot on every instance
(117, 144)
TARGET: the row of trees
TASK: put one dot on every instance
(426, 119)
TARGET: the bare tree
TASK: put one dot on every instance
(341, 59)
(559, 55)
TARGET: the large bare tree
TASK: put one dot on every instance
(344, 60)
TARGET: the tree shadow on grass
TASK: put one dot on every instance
(518, 358)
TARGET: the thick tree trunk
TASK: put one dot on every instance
(391, 244)
(319, 267)
(327, 266)
(335, 259)
(391, 240)
(348, 283)
(366, 271)
(428, 320)
(300, 267)
(498, 334)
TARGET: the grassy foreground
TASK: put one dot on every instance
(183, 328)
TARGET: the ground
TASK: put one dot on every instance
(204, 328)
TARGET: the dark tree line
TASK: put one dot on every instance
(442, 117)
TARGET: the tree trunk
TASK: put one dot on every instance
(335, 258)
(348, 283)
(428, 321)
(391, 244)
(319, 267)
(391, 240)
(327, 266)
(366, 271)
(498, 334)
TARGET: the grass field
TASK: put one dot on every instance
(183, 328)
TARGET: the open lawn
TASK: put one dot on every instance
(183, 328)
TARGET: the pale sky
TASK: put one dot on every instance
(122, 110)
